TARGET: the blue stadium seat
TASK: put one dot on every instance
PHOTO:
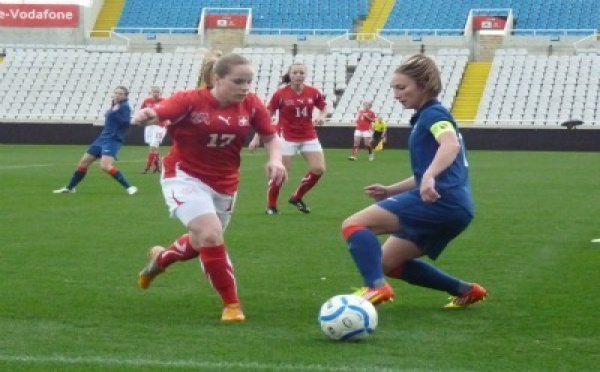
(530, 14)
(293, 14)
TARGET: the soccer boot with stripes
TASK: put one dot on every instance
(476, 294)
(233, 313)
(376, 295)
(148, 273)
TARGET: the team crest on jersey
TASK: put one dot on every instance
(310, 101)
(197, 117)
(243, 121)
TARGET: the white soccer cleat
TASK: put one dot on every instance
(64, 190)
(132, 190)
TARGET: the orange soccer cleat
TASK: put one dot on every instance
(148, 273)
(233, 313)
(376, 295)
(476, 294)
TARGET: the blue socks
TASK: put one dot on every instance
(366, 252)
(77, 177)
(423, 274)
(117, 175)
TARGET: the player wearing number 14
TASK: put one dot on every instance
(295, 103)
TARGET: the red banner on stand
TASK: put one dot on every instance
(489, 22)
(225, 20)
(39, 15)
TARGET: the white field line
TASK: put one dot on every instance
(8, 167)
(254, 366)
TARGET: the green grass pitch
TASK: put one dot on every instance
(69, 263)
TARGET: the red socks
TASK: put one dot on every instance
(217, 267)
(180, 250)
(152, 160)
(214, 261)
(310, 179)
(273, 194)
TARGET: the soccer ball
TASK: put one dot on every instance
(348, 317)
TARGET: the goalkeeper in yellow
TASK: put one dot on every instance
(379, 134)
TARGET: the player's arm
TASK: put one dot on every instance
(264, 129)
(380, 192)
(372, 117)
(254, 142)
(322, 106)
(123, 114)
(275, 169)
(320, 120)
(171, 109)
(146, 116)
(445, 135)
(449, 147)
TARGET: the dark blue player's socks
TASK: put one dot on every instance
(366, 252)
(426, 275)
(117, 175)
(77, 177)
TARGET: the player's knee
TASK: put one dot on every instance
(318, 169)
(105, 167)
(349, 222)
(208, 237)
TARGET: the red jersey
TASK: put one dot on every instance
(208, 139)
(296, 112)
(365, 119)
(150, 103)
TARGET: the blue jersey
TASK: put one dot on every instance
(116, 123)
(453, 183)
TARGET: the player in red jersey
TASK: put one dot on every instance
(364, 130)
(295, 102)
(153, 134)
(201, 170)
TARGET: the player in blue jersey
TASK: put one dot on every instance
(107, 145)
(424, 212)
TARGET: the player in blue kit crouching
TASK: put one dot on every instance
(423, 212)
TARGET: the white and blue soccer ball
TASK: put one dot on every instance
(348, 317)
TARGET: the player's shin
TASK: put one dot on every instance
(219, 271)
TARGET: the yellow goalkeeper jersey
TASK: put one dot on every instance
(379, 125)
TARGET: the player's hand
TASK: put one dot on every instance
(276, 172)
(427, 191)
(253, 145)
(319, 122)
(377, 191)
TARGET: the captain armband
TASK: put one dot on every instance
(441, 127)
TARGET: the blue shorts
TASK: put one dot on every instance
(431, 226)
(102, 148)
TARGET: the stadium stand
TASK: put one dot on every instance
(59, 83)
(267, 14)
(349, 76)
(63, 84)
(531, 14)
(527, 89)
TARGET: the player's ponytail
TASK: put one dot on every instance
(207, 73)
